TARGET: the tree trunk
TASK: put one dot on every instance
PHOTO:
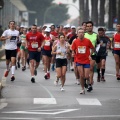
(118, 13)
(81, 6)
(86, 11)
(112, 13)
(102, 13)
(94, 13)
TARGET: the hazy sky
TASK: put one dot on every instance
(73, 12)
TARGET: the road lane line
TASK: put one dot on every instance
(14, 118)
(43, 88)
(88, 117)
(88, 101)
(44, 101)
(43, 112)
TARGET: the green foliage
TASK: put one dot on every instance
(56, 14)
(40, 6)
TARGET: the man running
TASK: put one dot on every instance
(34, 40)
(116, 48)
(11, 37)
(92, 36)
(102, 54)
(81, 47)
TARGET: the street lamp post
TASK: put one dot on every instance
(46, 11)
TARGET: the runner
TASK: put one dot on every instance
(11, 37)
(102, 54)
(92, 36)
(84, 26)
(81, 48)
(61, 49)
(34, 41)
(46, 52)
(23, 50)
(116, 48)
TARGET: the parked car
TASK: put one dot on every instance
(110, 34)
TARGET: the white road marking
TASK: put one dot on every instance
(44, 101)
(45, 112)
(11, 118)
(94, 116)
(88, 101)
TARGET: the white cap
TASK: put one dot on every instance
(68, 25)
(22, 26)
(47, 29)
(73, 27)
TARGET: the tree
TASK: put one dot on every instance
(86, 11)
(118, 13)
(102, 13)
(112, 12)
(81, 6)
(94, 12)
(56, 14)
(40, 6)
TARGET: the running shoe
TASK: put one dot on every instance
(6, 73)
(12, 78)
(33, 80)
(82, 92)
(48, 75)
(103, 79)
(89, 89)
(62, 89)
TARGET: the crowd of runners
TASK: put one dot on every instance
(55, 46)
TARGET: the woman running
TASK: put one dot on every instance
(61, 49)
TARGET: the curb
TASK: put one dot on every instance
(2, 53)
(2, 84)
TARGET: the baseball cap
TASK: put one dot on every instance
(73, 27)
(47, 29)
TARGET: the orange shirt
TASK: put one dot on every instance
(82, 50)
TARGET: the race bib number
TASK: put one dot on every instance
(117, 44)
(13, 39)
(82, 49)
(47, 43)
(35, 45)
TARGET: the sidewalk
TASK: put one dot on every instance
(2, 52)
(2, 57)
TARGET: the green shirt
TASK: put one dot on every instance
(92, 38)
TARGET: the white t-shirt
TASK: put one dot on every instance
(11, 44)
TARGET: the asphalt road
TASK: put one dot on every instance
(23, 100)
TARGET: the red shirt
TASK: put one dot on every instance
(116, 41)
(82, 50)
(54, 33)
(34, 40)
(47, 45)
